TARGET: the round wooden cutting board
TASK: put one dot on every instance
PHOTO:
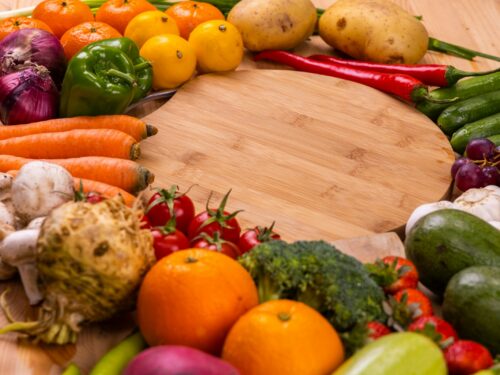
(324, 158)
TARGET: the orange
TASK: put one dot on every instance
(85, 33)
(62, 15)
(189, 14)
(118, 13)
(283, 337)
(11, 24)
(192, 298)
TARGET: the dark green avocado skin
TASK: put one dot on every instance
(447, 241)
(472, 305)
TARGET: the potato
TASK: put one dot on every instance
(374, 30)
(273, 24)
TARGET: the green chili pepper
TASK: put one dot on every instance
(143, 69)
(99, 80)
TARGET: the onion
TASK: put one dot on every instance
(28, 47)
(27, 96)
(176, 360)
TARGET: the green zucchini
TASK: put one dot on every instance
(469, 110)
(403, 353)
(483, 128)
(472, 305)
(447, 241)
(464, 89)
(495, 139)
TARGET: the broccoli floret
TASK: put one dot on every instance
(316, 273)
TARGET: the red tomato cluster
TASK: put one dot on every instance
(172, 219)
(411, 310)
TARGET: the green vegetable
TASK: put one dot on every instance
(469, 110)
(115, 361)
(483, 128)
(99, 80)
(472, 305)
(142, 67)
(445, 242)
(72, 369)
(316, 273)
(401, 353)
(464, 89)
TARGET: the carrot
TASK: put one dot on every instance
(107, 191)
(127, 124)
(125, 174)
(72, 144)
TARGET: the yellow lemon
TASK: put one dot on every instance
(173, 60)
(148, 24)
(218, 46)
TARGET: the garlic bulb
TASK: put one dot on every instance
(483, 202)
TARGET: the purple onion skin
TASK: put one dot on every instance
(177, 360)
(32, 47)
(27, 96)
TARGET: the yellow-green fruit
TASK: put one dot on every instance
(91, 261)
(276, 24)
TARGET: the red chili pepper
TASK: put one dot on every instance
(430, 74)
(401, 85)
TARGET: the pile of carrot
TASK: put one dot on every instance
(98, 151)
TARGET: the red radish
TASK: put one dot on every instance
(437, 329)
(175, 360)
(467, 357)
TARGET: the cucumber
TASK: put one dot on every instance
(469, 110)
(483, 128)
(495, 139)
(464, 89)
(404, 353)
(445, 242)
(472, 305)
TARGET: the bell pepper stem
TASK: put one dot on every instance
(116, 73)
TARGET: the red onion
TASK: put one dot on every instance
(28, 47)
(177, 360)
(27, 96)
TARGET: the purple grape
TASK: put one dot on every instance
(480, 148)
(491, 175)
(459, 163)
(469, 176)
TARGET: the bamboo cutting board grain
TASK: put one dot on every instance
(325, 158)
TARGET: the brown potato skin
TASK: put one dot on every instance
(276, 24)
(374, 30)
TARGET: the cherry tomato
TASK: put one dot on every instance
(224, 247)
(211, 221)
(164, 203)
(145, 224)
(165, 243)
(252, 237)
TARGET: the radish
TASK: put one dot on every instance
(177, 360)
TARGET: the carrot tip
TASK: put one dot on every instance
(135, 151)
(151, 130)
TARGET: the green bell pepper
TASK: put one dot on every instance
(143, 69)
(99, 80)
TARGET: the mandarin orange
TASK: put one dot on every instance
(192, 298)
(283, 337)
(62, 15)
(11, 24)
(85, 33)
(189, 14)
(118, 13)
